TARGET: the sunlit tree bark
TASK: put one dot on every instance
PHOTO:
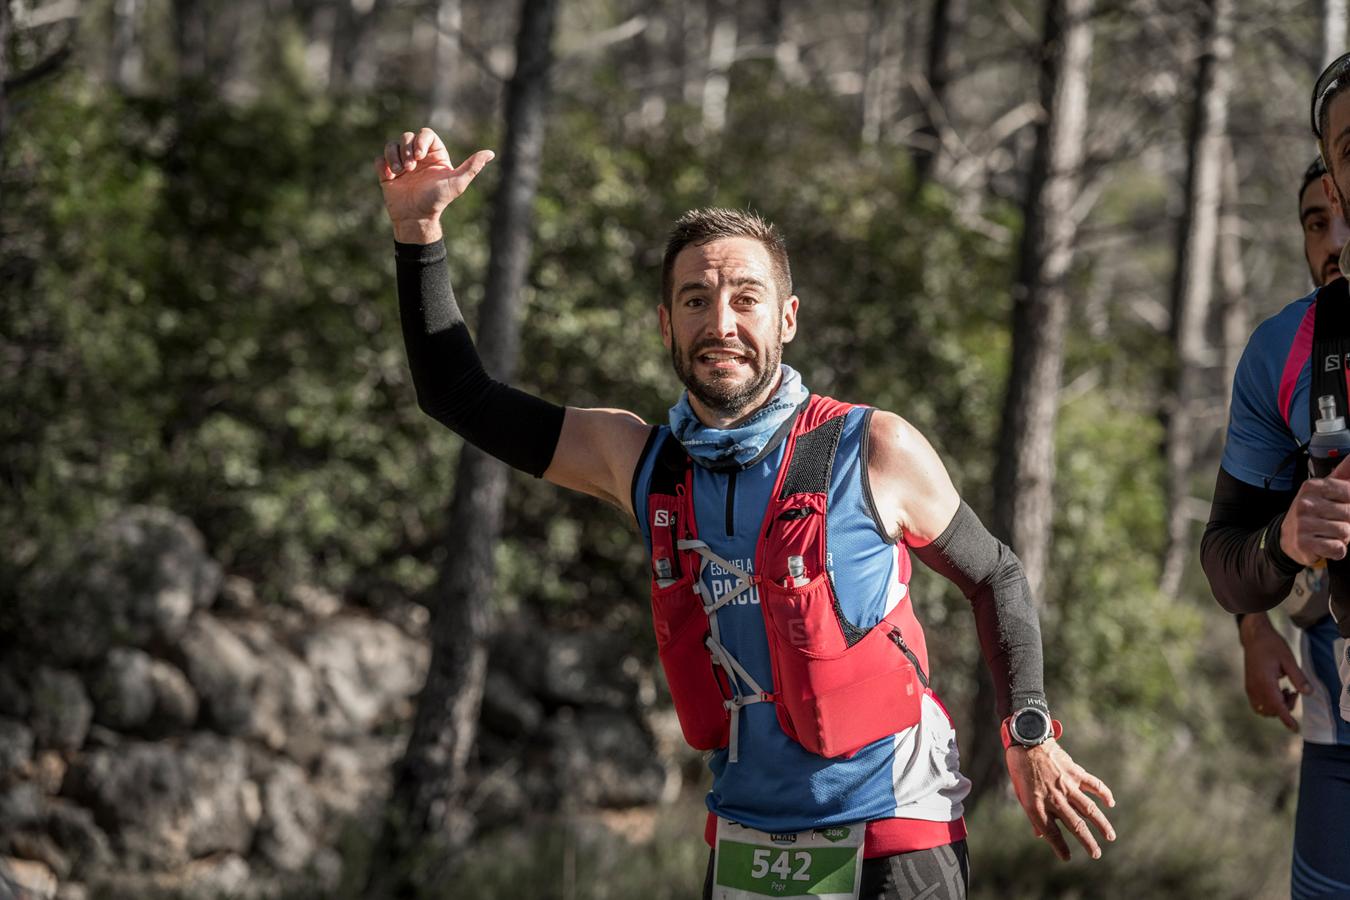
(1192, 284)
(444, 60)
(1024, 476)
(426, 821)
(721, 54)
(932, 92)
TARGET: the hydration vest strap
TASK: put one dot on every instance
(1331, 343)
(810, 472)
(738, 699)
(813, 460)
(745, 579)
(720, 655)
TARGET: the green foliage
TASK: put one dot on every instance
(207, 325)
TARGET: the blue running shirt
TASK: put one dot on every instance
(1269, 421)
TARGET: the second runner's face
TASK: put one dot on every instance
(1323, 234)
(726, 327)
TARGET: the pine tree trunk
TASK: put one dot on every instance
(190, 39)
(426, 820)
(125, 57)
(721, 54)
(350, 28)
(1024, 476)
(6, 27)
(874, 73)
(1192, 291)
(1234, 306)
(933, 93)
(444, 59)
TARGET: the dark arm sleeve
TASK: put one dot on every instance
(1240, 551)
(990, 575)
(452, 387)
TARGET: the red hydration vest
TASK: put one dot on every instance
(836, 688)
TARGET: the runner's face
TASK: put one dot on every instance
(1336, 142)
(1323, 233)
(726, 327)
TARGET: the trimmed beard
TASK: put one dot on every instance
(728, 400)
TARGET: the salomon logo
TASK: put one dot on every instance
(661, 518)
(1331, 363)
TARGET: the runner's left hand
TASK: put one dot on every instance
(1053, 789)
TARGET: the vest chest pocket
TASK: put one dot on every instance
(833, 697)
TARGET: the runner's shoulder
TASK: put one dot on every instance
(1278, 330)
(1271, 342)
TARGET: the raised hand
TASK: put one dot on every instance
(1054, 789)
(419, 181)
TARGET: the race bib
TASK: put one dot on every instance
(824, 862)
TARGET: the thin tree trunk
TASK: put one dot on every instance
(693, 51)
(1234, 307)
(874, 72)
(426, 820)
(126, 62)
(933, 92)
(6, 25)
(1333, 29)
(444, 58)
(721, 55)
(787, 54)
(1024, 477)
(350, 28)
(1192, 290)
(190, 39)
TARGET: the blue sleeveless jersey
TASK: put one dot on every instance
(777, 785)
(1268, 421)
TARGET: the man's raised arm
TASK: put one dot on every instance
(593, 451)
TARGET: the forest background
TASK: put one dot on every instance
(1041, 231)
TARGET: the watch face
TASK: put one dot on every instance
(1030, 727)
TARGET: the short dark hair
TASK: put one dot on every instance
(1314, 172)
(701, 226)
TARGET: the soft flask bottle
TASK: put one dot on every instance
(1330, 442)
(1328, 446)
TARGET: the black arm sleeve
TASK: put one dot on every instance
(452, 387)
(1240, 551)
(991, 577)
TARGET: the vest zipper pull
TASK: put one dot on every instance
(899, 640)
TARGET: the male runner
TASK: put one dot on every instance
(790, 647)
(1267, 523)
(1266, 655)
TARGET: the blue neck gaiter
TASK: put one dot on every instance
(735, 448)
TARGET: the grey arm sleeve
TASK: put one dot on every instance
(990, 575)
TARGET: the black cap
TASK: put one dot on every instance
(1334, 78)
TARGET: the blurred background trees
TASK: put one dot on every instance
(1050, 280)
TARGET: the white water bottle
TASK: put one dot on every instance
(796, 572)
